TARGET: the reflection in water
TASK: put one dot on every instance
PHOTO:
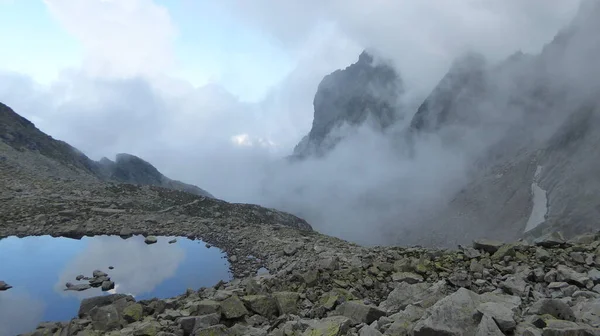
(39, 267)
(138, 268)
(19, 312)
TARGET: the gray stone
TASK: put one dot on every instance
(329, 263)
(105, 318)
(78, 287)
(452, 315)
(150, 240)
(98, 273)
(487, 327)
(422, 294)
(216, 330)
(99, 301)
(554, 307)
(566, 328)
(190, 324)
(557, 285)
(369, 331)
(594, 275)
(107, 285)
(553, 239)
(408, 277)
(261, 304)
(569, 275)
(4, 286)
(486, 245)
(330, 326)
(233, 308)
(360, 312)
(205, 307)
(287, 302)
(503, 316)
(514, 285)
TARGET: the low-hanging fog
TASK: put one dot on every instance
(370, 186)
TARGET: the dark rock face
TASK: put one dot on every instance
(22, 135)
(464, 83)
(364, 91)
(538, 117)
(131, 169)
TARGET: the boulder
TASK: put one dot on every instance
(287, 302)
(107, 285)
(553, 307)
(190, 324)
(99, 301)
(567, 328)
(106, 318)
(360, 312)
(216, 330)
(423, 294)
(261, 304)
(233, 308)
(452, 315)
(133, 313)
(330, 326)
(503, 316)
(408, 277)
(486, 245)
(205, 307)
(487, 327)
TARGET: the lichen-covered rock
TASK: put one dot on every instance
(287, 302)
(261, 304)
(452, 315)
(233, 308)
(133, 312)
(330, 326)
(360, 312)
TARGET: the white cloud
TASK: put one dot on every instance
(194, 134)
(120, 38)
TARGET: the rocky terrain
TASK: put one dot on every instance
(23, 137)
(317, 285)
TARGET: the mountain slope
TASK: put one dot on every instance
(538, 121)
(62, 159)
(366, 91)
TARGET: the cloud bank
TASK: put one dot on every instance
(121, 99)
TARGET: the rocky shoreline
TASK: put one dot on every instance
(547, 287)
(318, 285)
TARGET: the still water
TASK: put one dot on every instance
(39, 267)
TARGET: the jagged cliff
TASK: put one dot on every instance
(366, 91)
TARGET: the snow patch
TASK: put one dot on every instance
(540, 203)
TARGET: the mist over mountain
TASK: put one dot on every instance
(486, 146)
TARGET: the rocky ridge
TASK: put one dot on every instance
(366, 91)
(61, 159)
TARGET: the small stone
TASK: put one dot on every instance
(172, 241)
(150, 240)
(261, 304)
(330, 326)
(80, 277)
(98, 274)
(216, 330)
(107, 285)
(78, 287)
(111, 267)
(408, 277)
(290, 249)
(557, 285)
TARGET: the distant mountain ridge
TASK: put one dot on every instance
(366, 91)
(528, 125)
(22, 135)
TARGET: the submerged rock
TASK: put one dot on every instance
(4, 286)
(150, 240)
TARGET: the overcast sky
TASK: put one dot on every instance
(211, 91)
